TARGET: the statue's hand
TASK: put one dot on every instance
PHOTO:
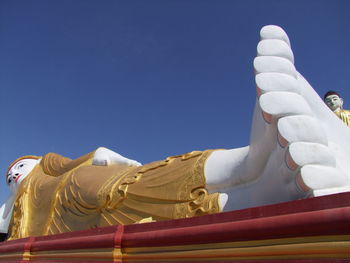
(104, 156)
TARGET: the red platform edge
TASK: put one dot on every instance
(320, 216)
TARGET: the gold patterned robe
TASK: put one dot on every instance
(344, 115)
(62, 195)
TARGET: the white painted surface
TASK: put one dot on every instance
(316, 140)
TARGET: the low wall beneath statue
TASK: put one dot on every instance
(310, 230)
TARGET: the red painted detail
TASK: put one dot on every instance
(28, 244)
(118, 237)
(291, 164)
(258, 92)
(300, 183)
(18, 178)
(281, 140)
(267, 117)
(27, 249)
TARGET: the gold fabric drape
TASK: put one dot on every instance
(62, 195)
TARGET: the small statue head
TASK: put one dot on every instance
(19, 170)
(333, 100)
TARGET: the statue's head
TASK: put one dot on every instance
(333, 100)
(19, 170)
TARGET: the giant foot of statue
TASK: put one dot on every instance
(298, 147)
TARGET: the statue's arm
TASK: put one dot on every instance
(55, 165)
(6, 214)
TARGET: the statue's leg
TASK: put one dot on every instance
(298, 147)
(104, 156)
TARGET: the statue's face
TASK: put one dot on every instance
(19, 171)
(334, 102)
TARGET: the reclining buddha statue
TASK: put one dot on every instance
(298, 148)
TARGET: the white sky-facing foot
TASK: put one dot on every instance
(298, 147)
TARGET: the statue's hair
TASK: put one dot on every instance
(21, 158)
(330, 92)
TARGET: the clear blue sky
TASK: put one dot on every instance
(150, 79)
